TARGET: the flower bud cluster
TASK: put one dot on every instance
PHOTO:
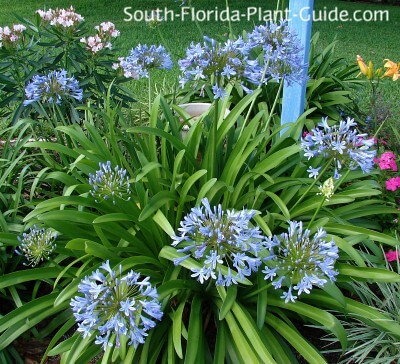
(36, 245)
(109, 184)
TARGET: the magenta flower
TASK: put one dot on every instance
(391, 256)
(392, 184)
(387, 161)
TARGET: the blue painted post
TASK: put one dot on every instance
(294, 96)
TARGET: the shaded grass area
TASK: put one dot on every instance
(372, 40)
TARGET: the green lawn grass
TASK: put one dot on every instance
(373, 40)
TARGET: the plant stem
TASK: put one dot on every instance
(254, 100)
(273, 106)
(149, 95)
(328, 164)
(196, 22)
(229, 20)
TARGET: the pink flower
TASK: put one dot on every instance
(392, 256)
(387, 161)
(392, 184)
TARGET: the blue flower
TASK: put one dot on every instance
(108, 183)
(52, 88)
(36, 245)
(121, 305)
(218, 239)
(341, 142)
(219, 93)
(281, 54)
(313, 172)
(142, 59)
(298, 261)
(213, 62)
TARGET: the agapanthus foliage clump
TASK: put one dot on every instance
(299, 261)
(281, 54)
(36, 245)
(116, 304)
(102, 40)
(52, 88)
(342, 143)
(224, 243)
(142, 59)
(108, 183)
(9, 37)
(61, 18)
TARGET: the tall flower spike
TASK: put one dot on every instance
(341, 142)
(114, 304)
(217, 238)
(299, 261)
(36, 245)
(52, 88)
(110, 183)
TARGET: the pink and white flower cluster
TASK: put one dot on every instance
(105, 31)
(65, 18)
(9, 36)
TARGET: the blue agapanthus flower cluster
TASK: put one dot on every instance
(108, 183)
(341, 142)
(52, 88)
(118, 305)
(213, 62)
(142, 59)
(36, 245)
(300, 261)
(224, 243)
(270, 51)
(281, 54)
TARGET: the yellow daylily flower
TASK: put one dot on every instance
(367, 71)
(392, 70)
(362, 65)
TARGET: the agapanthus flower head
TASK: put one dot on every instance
(112, 303)
(281, 54)
(387, 161)
(62, 18)
(299, 261)
(392, 184)
(52, 88)
(105, 31)
(9, 37)
(108, 183)
(217, 239)
(36, 245)
(142, 59)
(341, 142)
(218, 63)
